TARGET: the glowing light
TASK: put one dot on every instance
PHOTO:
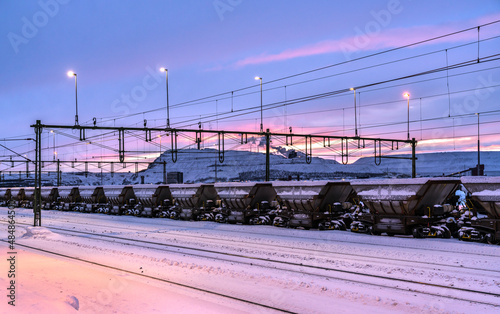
(406, 94)
(163, 70)
(71, 73)
(258, 78)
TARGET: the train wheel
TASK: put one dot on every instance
(342, 226)
(490, 239)
(373, 232)
(417, 233)
(446, 233)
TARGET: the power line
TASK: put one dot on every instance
(330, 66)
(340, 91)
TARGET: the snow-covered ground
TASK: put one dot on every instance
(121, 264)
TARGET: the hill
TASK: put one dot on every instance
(203, 166)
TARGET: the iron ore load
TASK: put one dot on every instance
(421, 207)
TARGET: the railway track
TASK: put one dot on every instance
(300, 268)
(164, 223)
(238, 243)
(153, 277)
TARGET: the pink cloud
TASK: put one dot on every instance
(366, 41)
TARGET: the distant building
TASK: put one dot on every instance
(175, 177)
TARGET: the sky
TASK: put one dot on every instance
(217, 47)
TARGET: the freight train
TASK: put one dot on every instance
(421, 207)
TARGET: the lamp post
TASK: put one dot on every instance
(261, 124)
(54, 145)
(168, 109)
(355, 114)
(407, 95)
(70, 74)
(478, 147)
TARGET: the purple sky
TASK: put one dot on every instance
(218, 46)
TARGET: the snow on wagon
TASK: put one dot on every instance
(316, 204)
(409, 206)
(486, 193)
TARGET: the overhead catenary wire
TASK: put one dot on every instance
(219, 95)
(387, 124)
(340, 91)
(318, 96)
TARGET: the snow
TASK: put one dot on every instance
(437, 164)
(234, 189)
(183, 190)
(486, 190)
(142, 191)
(482, 179)
(285, 184)
(199, 166)
(388, 189)
(299, 190)
(489, 193)
(238, 260)
(52, 285)
(387, 194)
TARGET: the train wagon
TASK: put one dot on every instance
(485, 192)
(152, 200)
(49, 196)
(17, 196)
(84, 202)
(245, 202)
(5, 196)
(415, 207)
(100, 203)
(193, 201)
(29, 197)
(120, 198)
(316, 204)
(67, 198)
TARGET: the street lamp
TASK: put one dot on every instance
(168, 113)
(70, 74)
(261, 125)
(407, 95)
(54, 144)
(355, 115)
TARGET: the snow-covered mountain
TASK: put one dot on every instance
(204, 166)
(437, 164)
